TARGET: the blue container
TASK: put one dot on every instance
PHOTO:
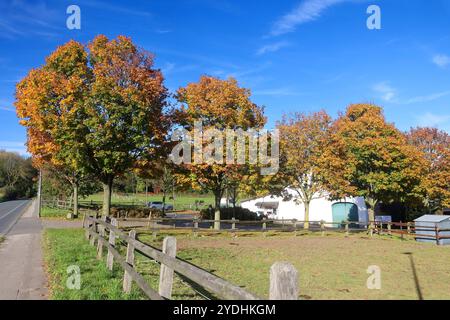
(426, 225)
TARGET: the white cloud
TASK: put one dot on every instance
(7, 109)
(306, 11)
(441, 60)
(277, 92)
(434, 120)
(427, 98)
(387, 92)
(272, 47)
(14, 146)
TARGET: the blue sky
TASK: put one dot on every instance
(294, 55)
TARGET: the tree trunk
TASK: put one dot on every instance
(74, 214)
(306, 225)
(371, 204)
(217, 211)
(107, 194)
(164, 203)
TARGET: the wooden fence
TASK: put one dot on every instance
(283, 276)
(234, 227)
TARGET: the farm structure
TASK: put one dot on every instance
(321, 209)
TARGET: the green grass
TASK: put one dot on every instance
(64, 248)
(182, 201)
(1, 239)
(331, 267)
(47, 212)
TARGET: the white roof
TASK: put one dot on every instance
(432, 218)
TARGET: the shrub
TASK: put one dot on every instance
(134, 212)
(228, 213)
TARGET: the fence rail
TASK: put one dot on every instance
(283, 276)
(290, 225)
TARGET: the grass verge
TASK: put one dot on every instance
(56, 213)
(64, 248)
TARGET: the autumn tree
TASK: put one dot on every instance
(303, 140)
(435, 145)
(49, 102)
(220, 105)
(100, 106)
(373, 158)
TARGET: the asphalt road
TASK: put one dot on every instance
(10, 212)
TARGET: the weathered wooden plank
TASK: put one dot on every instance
(127, 279)
(102, 233)
(166, 273)
(140, 281)
(94, 230)
(112, 242)
(283, 282)
(214, 284)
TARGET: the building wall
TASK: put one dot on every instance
(320, 209)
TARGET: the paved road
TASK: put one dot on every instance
(10, 212)
(22, 275)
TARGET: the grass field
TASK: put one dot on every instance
(182, 201)
(331, 267)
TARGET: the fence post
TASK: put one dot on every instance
(94, 230)
(112, 241)
(127, 280)
(347, 229)
(102, 233)
(87, 227)
(264, 227)
(166, 274)
(437, 235)
(233, 225)
(295, 226)
(195, 227)
(283, 282)
(322, 227)
(408, 226)
(390, 228)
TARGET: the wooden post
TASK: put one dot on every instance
(87, 227)
(195, 228)
(233, 225)
(283, 282)
(264, 227)
(408, 226)
(127, 279)
(295, 226)
(100, 243)
(166, 274)
(347, 228)
(322, 227)
(94, 230)
(437, 235)
(390, 228)
(112, 242)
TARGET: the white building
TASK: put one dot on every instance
(349, 209)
